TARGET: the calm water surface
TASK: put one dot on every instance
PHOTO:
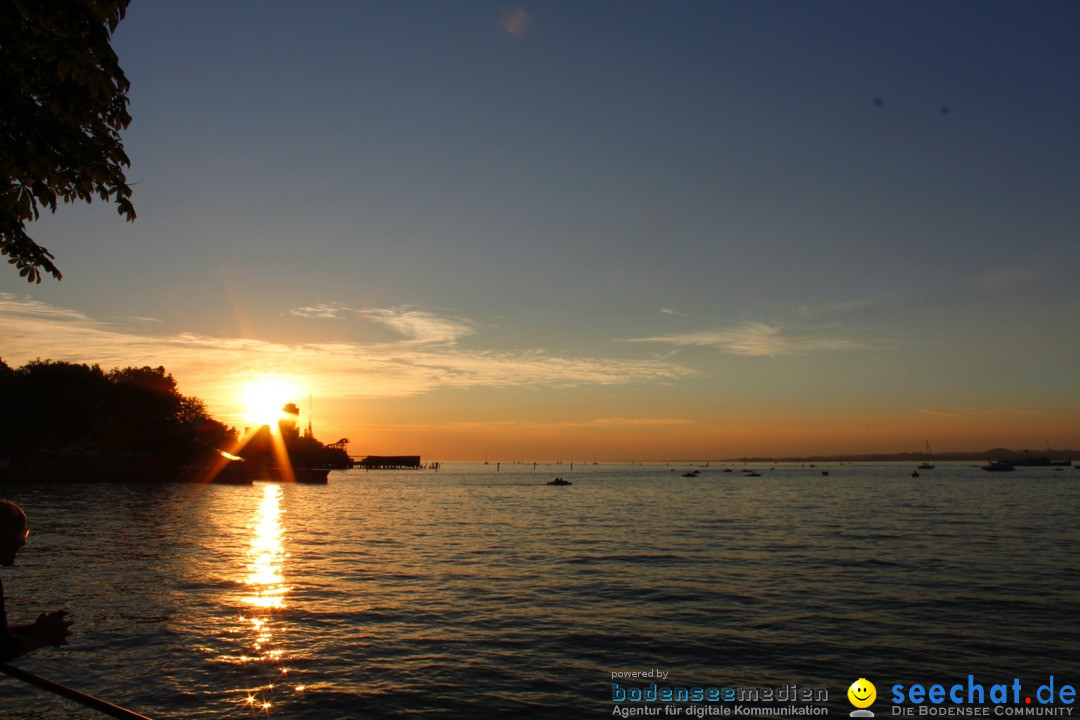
(474, 593)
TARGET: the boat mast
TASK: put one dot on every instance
(309, 412)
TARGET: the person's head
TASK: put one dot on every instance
(13, 531)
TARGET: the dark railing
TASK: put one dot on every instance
(82, 698)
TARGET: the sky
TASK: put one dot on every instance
(592, 230)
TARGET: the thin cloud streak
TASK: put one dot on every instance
(28, 308)
(753, 339)
(418, 326)
(540, 426)
(210, 367)
(323, 311)
(515, 22)
(977, 412)
(1009, 278)
(808, 311)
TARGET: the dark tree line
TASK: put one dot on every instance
(53, 410)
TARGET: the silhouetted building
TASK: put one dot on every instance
(290, 430)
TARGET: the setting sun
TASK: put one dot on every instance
(263, 398)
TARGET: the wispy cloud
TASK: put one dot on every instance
(323, 311)
(35, 309)
(425, 359)
(639, 422)
(809, 311)
(515, 22)
(416, 326)
(543, 426)
(976, 412)
(1010, 278)
(947, 414)
(419, 326)
(754, 339)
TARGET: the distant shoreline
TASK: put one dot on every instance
(964, 456)
(983, 456)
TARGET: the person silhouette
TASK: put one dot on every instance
(49, 628)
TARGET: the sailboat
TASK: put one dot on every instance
(929, 464)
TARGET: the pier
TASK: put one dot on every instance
(389, 462)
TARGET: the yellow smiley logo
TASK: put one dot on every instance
(862, 693)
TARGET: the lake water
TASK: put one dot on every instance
(472, 592)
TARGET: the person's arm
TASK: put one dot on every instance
(10, 645)
(48, 629)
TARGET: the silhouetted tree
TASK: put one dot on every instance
(57, 408)
(52, 405)
(144, 409)
(63, 103)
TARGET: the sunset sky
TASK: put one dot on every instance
(593, 230)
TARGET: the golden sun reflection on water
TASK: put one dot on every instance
(265, 594)
(267, 556)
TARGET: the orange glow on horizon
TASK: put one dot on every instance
(470, 427)
(744, 434)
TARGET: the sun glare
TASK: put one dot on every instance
(263, 398)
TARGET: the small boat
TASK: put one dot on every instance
(691, 474)
(560, 481)
(928, 465)
(825, 473)
(915, 472)
(1044, 461)
(999, 466)
(751, 473)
